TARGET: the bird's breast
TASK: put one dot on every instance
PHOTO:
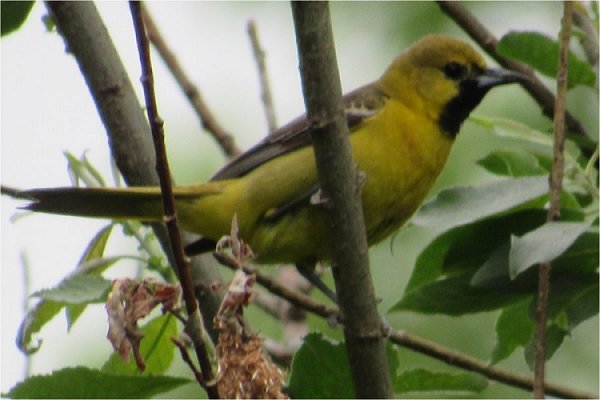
(402, 153)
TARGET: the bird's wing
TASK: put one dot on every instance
(359, 104)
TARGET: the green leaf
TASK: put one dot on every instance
(543, 244)
(510, 128)
(86, 383)
(320, 370)
(582, 255)
(461, 205)
(456, 296)
(392, 357)
(33, 322)
(95, 249)
(89, 264)
(555, 336)
(73, 312)
(82, 169)
(14, 14)
(569, 289)
(77, 289)
(585, 307)
(514, 329)
(494, 268)
(512, 163)
(422, 380)
(541, 52)
(45, 310)
(469, 247)
(156, 348)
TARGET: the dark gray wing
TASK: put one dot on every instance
(359, 105)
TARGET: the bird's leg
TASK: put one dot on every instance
(307, 270)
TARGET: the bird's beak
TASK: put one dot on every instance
(496, 76)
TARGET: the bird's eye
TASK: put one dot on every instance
(455, 71)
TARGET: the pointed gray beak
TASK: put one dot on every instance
(497, 76)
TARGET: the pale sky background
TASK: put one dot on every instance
(46, 109)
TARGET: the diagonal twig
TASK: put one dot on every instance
(207, 119)
(259, 56)
(478, 32)
(416, 343)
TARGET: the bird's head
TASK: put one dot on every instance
(444, 78)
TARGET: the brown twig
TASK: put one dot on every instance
(127, 128)
(478, 32)
(590, 38)
(185, 356)
(259, 57)
(295, 297)
(192, 93)
(194, 327)
(415, 343)
(468, 363)
(556, 176)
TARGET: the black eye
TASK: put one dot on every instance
(455, 71)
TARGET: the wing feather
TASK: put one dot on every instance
(359, 104)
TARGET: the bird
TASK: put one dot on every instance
(401, 130)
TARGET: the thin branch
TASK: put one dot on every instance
(295, 297)
(187, 359)
(194, 327)
(590, 38)
(338, 179)
(127, 129)
(208, 121)
(259, 56)
(460, 360)
(415, 343)
(556, 176)
(478, 32)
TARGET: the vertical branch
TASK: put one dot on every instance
(87, 39)
(556, 176)
(338, 177)
(194, 326)
(259, 56)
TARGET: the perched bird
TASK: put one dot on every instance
(402, 127)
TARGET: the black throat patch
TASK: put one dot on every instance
(459, 108)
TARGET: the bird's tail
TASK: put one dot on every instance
(140, 203)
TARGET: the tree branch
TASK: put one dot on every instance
(556, 176)
(338, 177)
(416, 343)
(259, 56)
(130, 142)
(182, 263)
(590, 38)
(479, 33)
(208, 121)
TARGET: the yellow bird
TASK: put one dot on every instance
(402, 127)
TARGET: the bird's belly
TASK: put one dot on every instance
(399, 169)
